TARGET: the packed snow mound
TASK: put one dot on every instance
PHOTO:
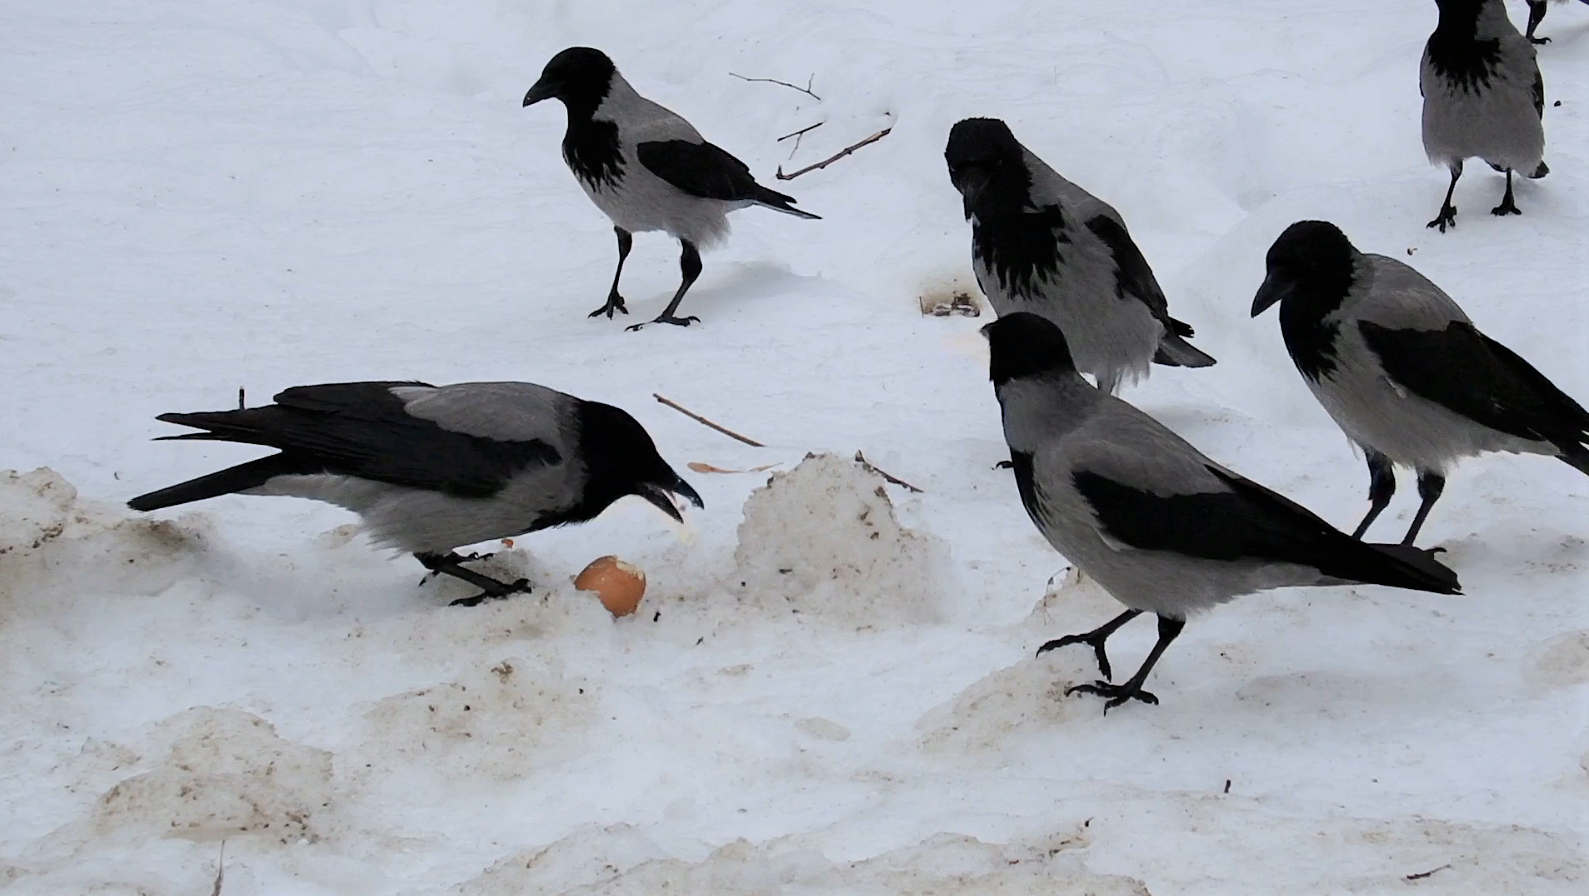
(51, 541)
(823, 540)
(228, 774)
(499, 721)
(618, 861)
(1027, 696)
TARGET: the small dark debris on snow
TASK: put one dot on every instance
(1227, 785)
(1430, 873)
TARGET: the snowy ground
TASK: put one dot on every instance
(202, 195)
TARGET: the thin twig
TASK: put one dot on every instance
(705, 422)
(835, 157)
(239, 398)
(798, 136)
(220, 870)
(806, 89)
(1423, 874)
(870, 467)
(809, 127)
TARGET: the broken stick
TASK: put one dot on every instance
(869, 467)
(705, 422)
(833, 158)
(805, 90)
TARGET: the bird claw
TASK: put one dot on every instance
(1117, 694)
(1448, 218)
(518, 586)
(1004, 465)
(676, 321)
(1097, 646)
(1536, 41)
(1507, 207)
(614, 303)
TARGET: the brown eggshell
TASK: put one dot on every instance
(619, 585)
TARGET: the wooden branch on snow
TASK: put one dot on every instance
(869, 467)
(809, 127)
(705, 422)
(805, 90)
(835, 157)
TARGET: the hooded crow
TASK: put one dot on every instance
(431, 468)
(1160, 526)
(1483, 96)
(1536, 14)
(646, 168)
(1040, 243)
(1403, 371)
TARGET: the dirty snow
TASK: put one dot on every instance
(213, 194)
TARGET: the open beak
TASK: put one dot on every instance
(1269, 293)
(662, 498)
(541, 91)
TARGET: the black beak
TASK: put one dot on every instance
(971, 182)
(1273, 290)
(662, 497)
(541, 91)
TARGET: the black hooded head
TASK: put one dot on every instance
(579, 76)
(988, 167)
(620, 459)
(1311, 269)
(1022, 345)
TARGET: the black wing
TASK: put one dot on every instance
(699, 169)
(1474, 376)
(1539, 93)
(1133, 277)
(1249, 523)
(361, 429)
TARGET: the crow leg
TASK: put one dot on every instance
(1132, 690)
(1448, 212)
(690, 267)
(1536, 14)
(1096, 638)
(1508, 205)
(452, 565)
(1430, 485)
(615, 301)
(1381, 486)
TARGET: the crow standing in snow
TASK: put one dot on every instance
(431, 468)
(1536, 14)
(646, 168)
(1483, 96)
(1403, 371)
(1160, 526)
(1040, 243)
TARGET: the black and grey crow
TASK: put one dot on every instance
(1040, 243)
(1403, 371)
(1483, 96)
(432, 468)
(646, 168)
(1536, 14)
(1160, 526)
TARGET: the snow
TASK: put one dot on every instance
(212, 194)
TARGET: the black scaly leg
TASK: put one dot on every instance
(1381, 486)
(1430, 485)
(1448, 212)
(690, 267)
(452, 565)
(615, 301)
(1096, 638)
(1132, 690)
(1536, 14)
(1508, 205)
